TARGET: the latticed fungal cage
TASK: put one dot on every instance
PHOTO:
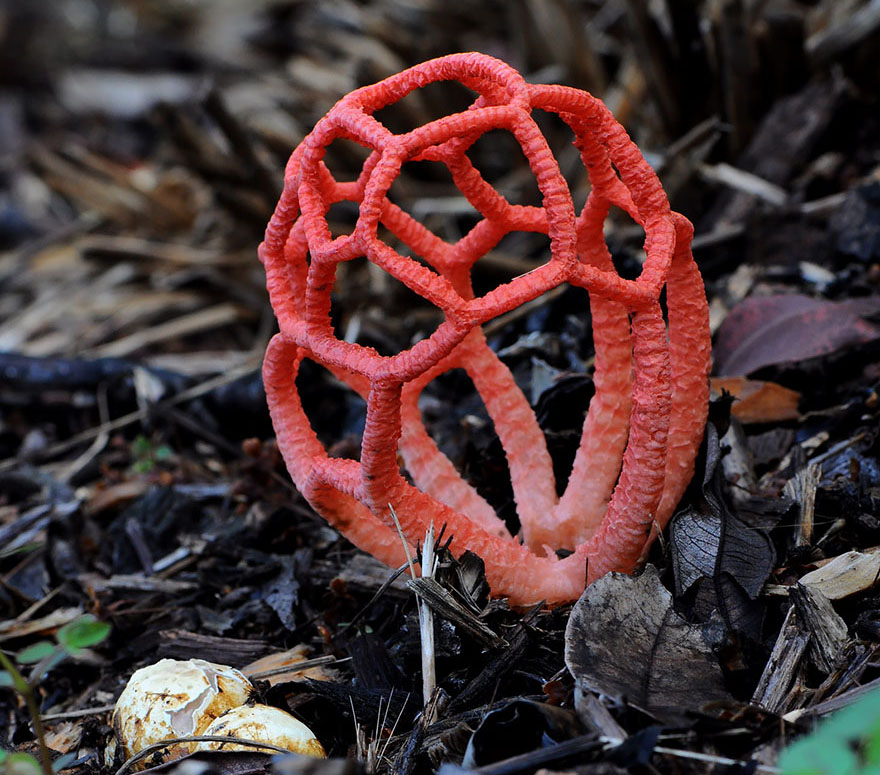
(646, 418)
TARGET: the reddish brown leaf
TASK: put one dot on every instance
(757, 401)
(769, 330)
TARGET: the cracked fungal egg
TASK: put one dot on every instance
(262, 724)
(170, 699)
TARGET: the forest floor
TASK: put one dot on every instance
(142, 150)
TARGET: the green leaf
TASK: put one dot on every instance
(163, 452)
(35, 653)
(833, 760)
(871, 750)
(82, 633)
(18, 682)
(20, 764)
(6, 682)
(847, 743)
(141, 446)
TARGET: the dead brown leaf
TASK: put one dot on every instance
(756, 401)
(770, 330)
(625, 640)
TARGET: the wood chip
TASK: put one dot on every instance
(291, 665)
(782, 666)
(45, 625)
(802, 490)
(828, 632)
(845, 574)
(444, 603)
(193, 323)
(744, 182)
(135, 583)
(181, 644)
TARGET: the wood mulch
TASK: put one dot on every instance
(142, 148)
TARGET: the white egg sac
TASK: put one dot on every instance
(173, 699)
(262, 724)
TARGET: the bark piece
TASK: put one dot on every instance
(827, 629)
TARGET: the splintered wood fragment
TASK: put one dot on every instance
(428, 563)
(828, 633)
(846, 574)
(409, 753)
(24, 526)
(290, 665)
(485, 683)
(783, 664)
(20, 628)
(834, 704)
(363, 573)
(442, 601)
(848, 673)
(802, 489)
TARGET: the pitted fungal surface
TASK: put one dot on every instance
(646, 419)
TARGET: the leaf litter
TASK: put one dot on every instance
(139, 480)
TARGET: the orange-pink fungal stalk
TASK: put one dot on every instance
(645, 422)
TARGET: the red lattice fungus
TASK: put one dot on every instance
(646, 419)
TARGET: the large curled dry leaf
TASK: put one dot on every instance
(720, 561)
(769, 330)
(624, 639)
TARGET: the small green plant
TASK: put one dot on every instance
(36, 661)
(146, 454)
(848, 743)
